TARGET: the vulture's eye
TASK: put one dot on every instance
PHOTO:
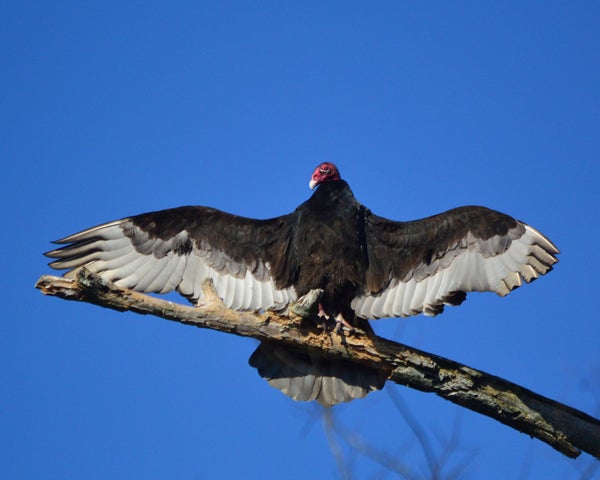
(324, 171)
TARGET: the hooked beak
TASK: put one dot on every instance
(312, 184)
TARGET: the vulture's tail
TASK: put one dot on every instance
(307, 377)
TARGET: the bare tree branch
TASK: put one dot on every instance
(419, 434)
(566, 429)
(438, 460)
(360, 446)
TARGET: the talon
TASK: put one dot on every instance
(340, 322)
(321, 313)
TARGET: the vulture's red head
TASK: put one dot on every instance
(326, 172)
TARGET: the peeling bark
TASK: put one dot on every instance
(566, 429)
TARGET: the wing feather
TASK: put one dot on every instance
(178, 249)
(418, 267)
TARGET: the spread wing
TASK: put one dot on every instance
(420, 266)
(177, 249)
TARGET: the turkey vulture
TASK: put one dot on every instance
(368, 267)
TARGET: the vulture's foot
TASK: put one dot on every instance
(322, 314)
(341, 322)
(322, 318)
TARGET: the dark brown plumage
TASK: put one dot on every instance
(368, 267)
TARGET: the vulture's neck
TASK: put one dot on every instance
(333, 192)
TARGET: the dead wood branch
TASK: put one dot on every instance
(564, 428)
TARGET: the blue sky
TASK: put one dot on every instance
(112, 108)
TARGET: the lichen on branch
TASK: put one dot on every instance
(566, 429)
